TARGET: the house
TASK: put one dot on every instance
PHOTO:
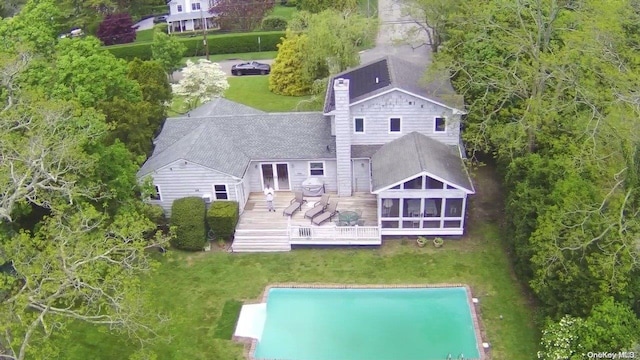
(381, 133)
(190, 15)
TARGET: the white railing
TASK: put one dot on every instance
(333, 234)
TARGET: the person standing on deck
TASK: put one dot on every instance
(269, 194)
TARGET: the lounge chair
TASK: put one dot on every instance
(318, 207)
(329, 212)
(295, 204)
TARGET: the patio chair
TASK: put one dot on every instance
(295, 204)
(318, 207)
(326, 215)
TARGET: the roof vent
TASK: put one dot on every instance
(377, 80)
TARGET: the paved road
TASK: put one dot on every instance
(145, 24)
(225, 65)
(391, 38)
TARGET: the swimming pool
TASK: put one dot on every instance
(368, 324)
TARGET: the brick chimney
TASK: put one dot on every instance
(342, 119)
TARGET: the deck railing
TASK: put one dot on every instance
(327, 234)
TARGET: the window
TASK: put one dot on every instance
(358, 125)
(453, 208)
(441, 124)
(157, 195)
(394, 125)
(316, 168)
(221, 192)
(195, 6)
(414, 183)
(179, 8)
(391, 208)
(432, 207)
(434, 184)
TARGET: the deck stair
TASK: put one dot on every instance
(256, 240)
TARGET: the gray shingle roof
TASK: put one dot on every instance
(228, 143)
(221, 106)
(364, 151)
(401, 74)
(413, 154)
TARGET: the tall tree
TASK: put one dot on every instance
(244, 15)
(167, 51)
(432, 17)
(116, 29)
(287, 74)
(316, 6)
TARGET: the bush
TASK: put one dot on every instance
(288, 76)
(272, 23)
(163, 27)
(222, 218)
(290, 3)
(188, 216)
(219, 44)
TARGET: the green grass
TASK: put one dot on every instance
(262, 55)
(228, 319)
(194, 290)
(143, 36)
(368, 7)
(254, 91)
(284, 11)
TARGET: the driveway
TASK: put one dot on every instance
(391, 38)
(145, 24)
(226, 67)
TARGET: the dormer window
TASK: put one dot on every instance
(395, 125)
(440, 124)
(358, 125)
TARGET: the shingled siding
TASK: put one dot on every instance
(417, 115)
(361, 175)
(179, 180)
(298, 172)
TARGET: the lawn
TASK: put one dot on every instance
(284, 11)
(254, 91)
(193, 289)
(144, 36)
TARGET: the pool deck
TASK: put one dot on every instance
(251, 342)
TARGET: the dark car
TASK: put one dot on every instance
(251, 68)
(160, 19)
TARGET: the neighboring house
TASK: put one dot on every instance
(381, 132)
(190, 15)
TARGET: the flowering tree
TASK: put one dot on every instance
(201, 82)
(244, 15)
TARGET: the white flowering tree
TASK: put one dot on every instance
(201, 82)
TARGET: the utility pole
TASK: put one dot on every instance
(204, 35)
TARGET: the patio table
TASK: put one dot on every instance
(348, 218)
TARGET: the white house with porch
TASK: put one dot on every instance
(190, 15)
(386, 147)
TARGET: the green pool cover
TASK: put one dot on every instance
(368, 324)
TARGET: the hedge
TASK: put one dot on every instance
(188, 216)
(222, 218)
(218, 44)
(272, 23)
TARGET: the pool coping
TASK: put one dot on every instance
(251, 343)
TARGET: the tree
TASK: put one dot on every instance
(201, 82)
(288, 76)
(78, 266)
(317, 6)
(168, 51)
(36, 26)
(432, 17)
(117, 29)
(333, 41)
(243, 15)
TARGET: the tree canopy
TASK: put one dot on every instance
(201, 82)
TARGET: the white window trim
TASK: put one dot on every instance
(159, 193)
(389, 127)
(324, 168)
(179, 8)
(364, 128)
(215, 193)
(435, 124)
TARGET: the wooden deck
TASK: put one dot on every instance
(256, 215)
(260, 230)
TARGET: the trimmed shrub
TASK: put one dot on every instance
(288, 76)
(222, 218)
(163, 27)
(188, 216)
(291, 3)
(218, 44)
(272, 23)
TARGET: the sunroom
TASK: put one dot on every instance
(422, 187)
